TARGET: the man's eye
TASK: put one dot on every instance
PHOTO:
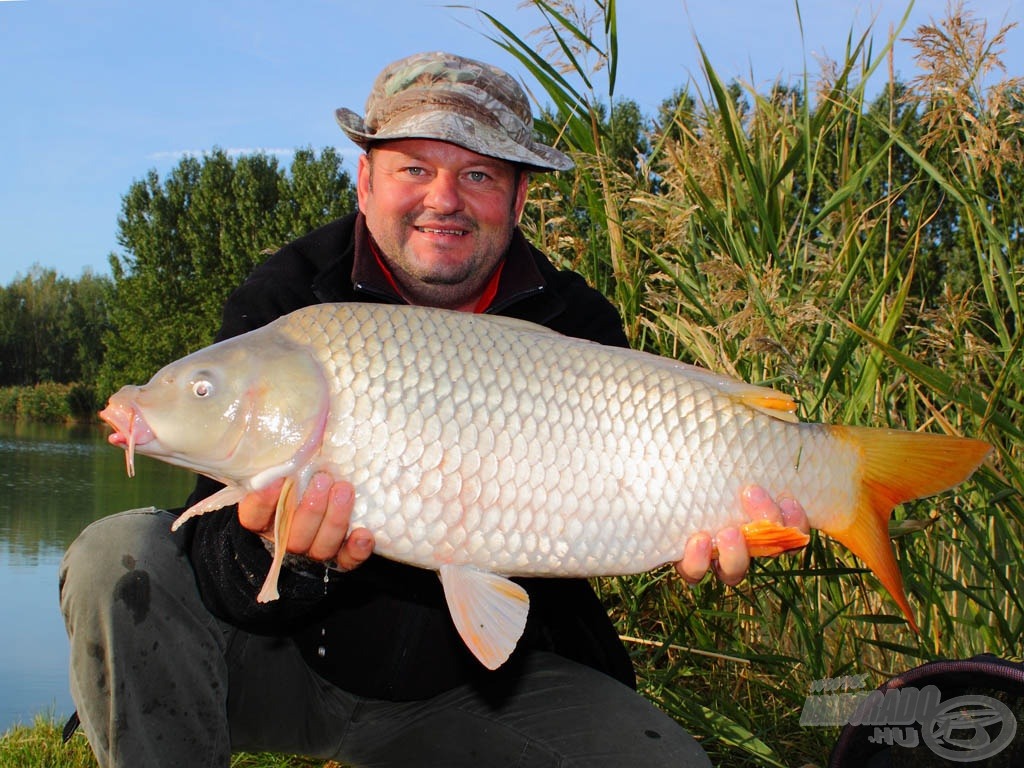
(414, 171)
(477, 176)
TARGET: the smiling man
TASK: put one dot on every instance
(359, 660)
(444, 216)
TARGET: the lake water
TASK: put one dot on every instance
(54, 481)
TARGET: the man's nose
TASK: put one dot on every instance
(444, 194)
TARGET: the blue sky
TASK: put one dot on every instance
(93, 93)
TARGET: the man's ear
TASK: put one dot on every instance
(522, 189)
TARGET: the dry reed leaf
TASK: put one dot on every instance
(964, 107)
(584, 17)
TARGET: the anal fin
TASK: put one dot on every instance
(282, 526)
(766, 538)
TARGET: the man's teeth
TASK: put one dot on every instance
(433, 231)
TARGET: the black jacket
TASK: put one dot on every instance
(383, 630)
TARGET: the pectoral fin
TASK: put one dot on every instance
(286, 504)
(222, 498)
(488, 610)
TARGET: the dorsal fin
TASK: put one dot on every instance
(778, 405)
(768, 401)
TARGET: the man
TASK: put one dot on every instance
(173, 662)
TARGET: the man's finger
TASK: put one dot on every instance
(758, 505)
(696, 558)
(793, 515)
(256, 510)
(357, 548)
(309, 513)
(333, 522)
(733, 559)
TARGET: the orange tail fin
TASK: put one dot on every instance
(897, 467)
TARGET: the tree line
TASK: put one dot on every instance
(51, 327)
(186, 241)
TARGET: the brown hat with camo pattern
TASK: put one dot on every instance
(451, 98)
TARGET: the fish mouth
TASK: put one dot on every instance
(130, 431)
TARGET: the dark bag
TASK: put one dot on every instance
(967, 712)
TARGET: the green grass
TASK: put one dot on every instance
(39, 746)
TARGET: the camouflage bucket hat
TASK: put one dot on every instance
(451, 98)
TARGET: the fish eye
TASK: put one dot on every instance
(202, 388)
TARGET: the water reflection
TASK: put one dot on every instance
(54, 481)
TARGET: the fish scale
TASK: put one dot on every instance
(624, 476)
(487, 448)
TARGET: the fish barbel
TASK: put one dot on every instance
(484, 448)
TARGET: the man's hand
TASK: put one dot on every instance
(733, 560)
(319, 528)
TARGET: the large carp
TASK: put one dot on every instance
(483, 447)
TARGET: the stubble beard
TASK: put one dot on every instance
(451, 285)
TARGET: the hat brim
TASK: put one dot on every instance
(459, 129)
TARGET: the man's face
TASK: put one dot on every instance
(442, 215)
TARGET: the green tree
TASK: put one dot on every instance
(49, 327)
(15, 339)
(85, 323)
(189, 240)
